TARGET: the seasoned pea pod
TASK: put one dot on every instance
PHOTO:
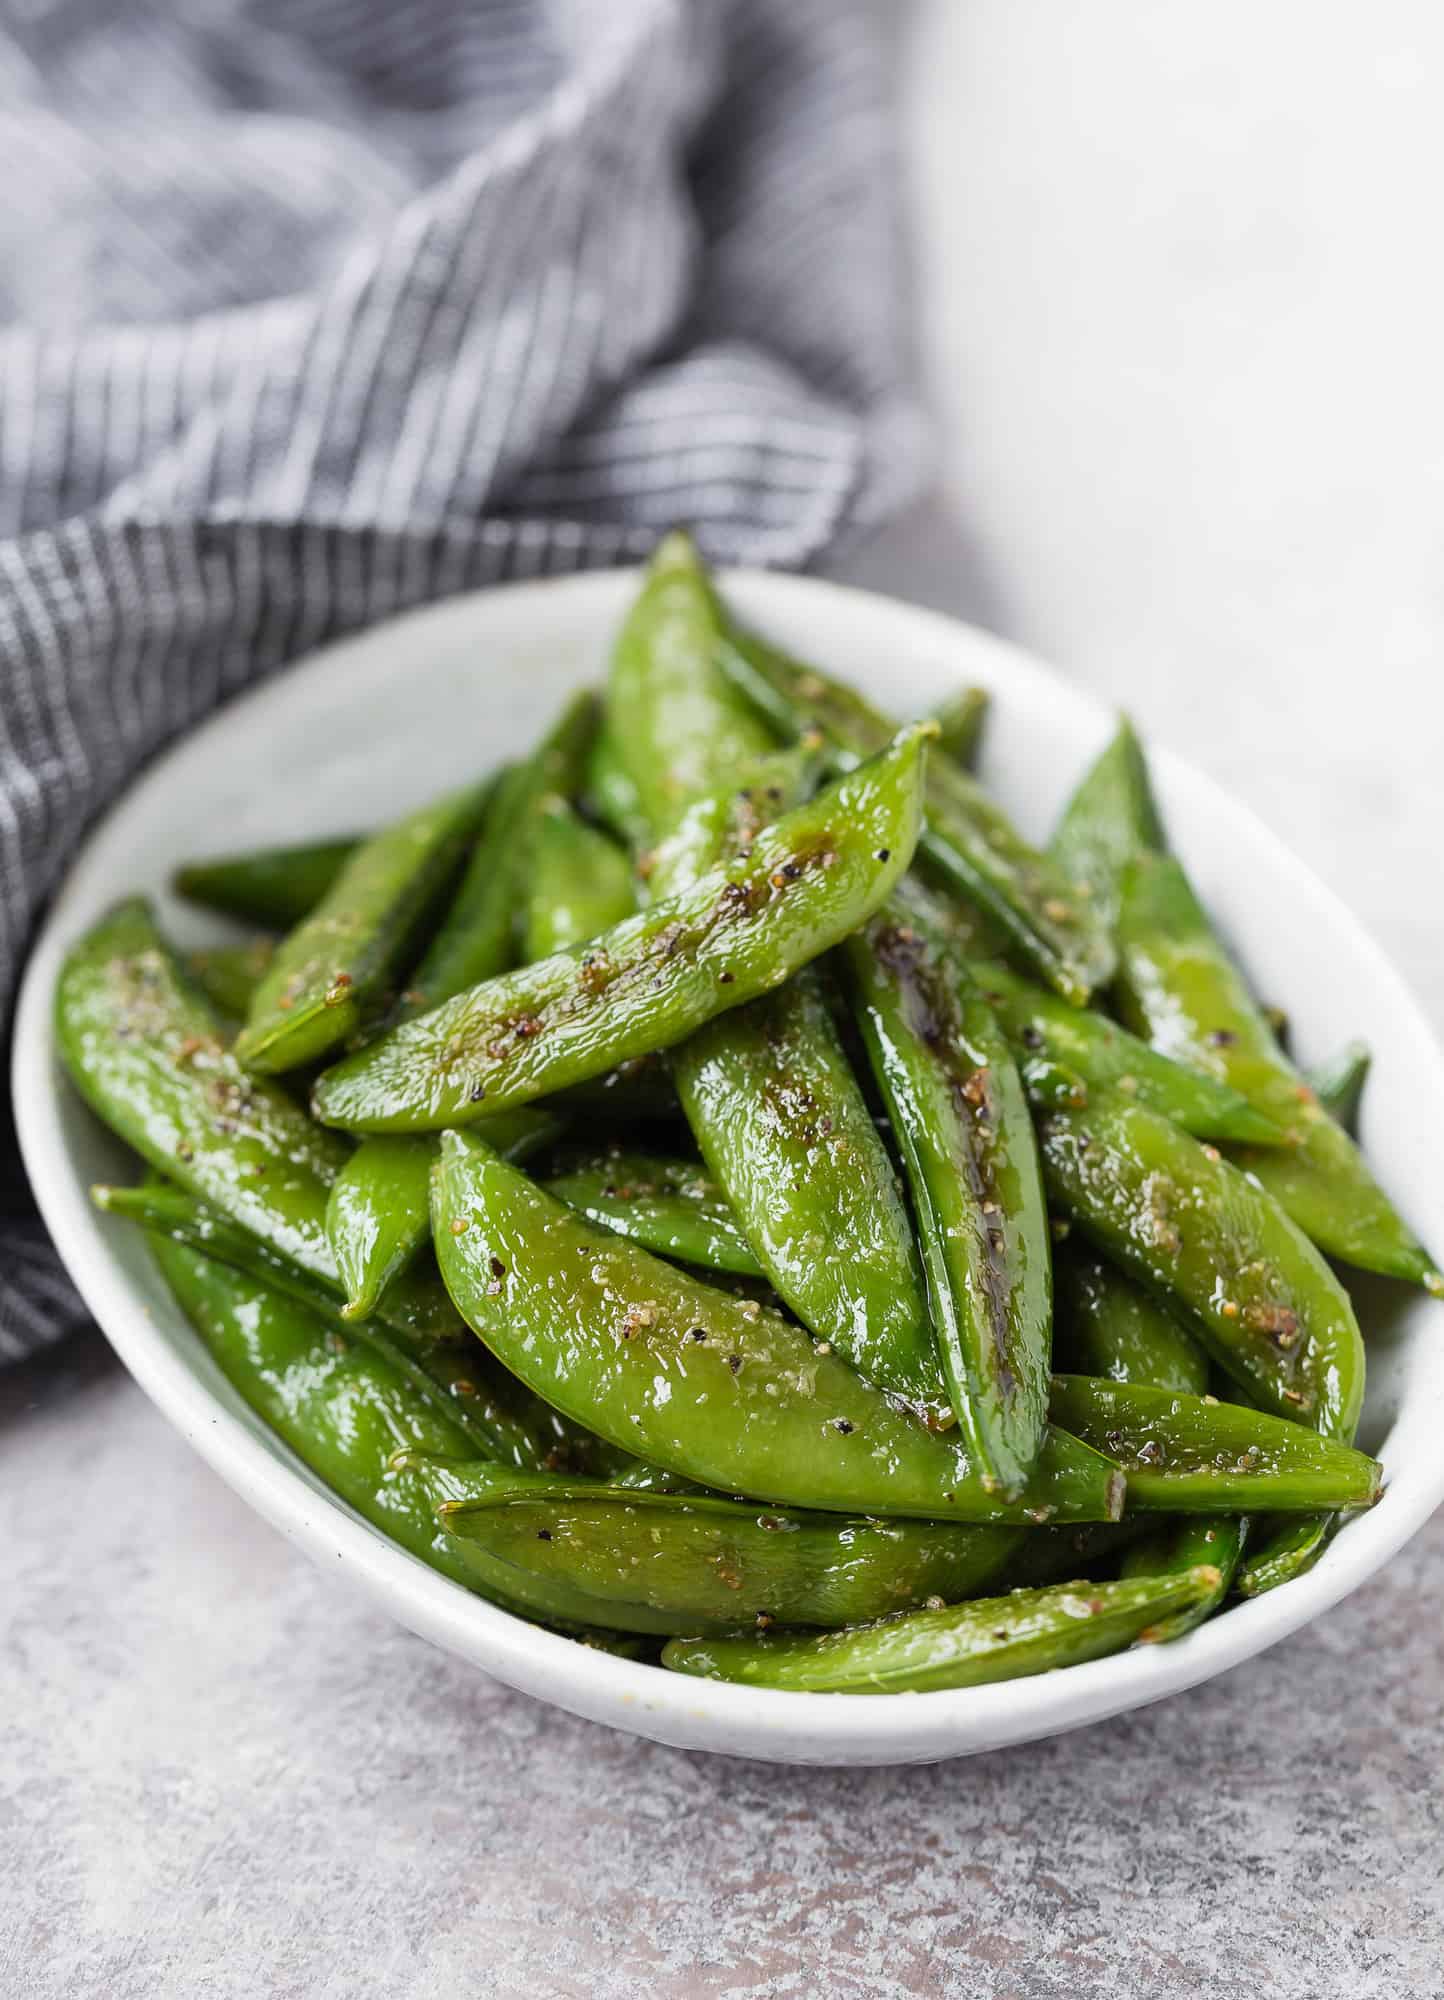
(1339, 1083)
(229, 974)
(610, 794)
(1217, 1250)
(1110, 818)
(967, 840)
(960, 1119)
(960, 719)
(671, 1207)
(1191, 1454)
(274, 887)
(1102, 1053)
(347, 1413)
(653, 980)
(1178, 986)
(1062, 1555)
(476, 938)
(1281, 1550)
(677, 724)
(709, 1564)
(577, 883)
(1203, 1540)
(333, 974)
(1106, 1325)
(378, 1213)
(712, 1387)
(964, 1645)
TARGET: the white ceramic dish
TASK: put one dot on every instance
(377, 724)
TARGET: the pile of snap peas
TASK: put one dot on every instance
(714, 1189)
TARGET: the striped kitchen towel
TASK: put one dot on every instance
(311, 310)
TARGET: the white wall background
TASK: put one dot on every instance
(1182, 326)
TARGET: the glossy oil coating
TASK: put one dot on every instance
(965, 1645)
(1179, 987)
(711, 1564)
(335, 972)
(968, 840)
(1195, 1541)
(715, 1388)
(1189, 1454)
(1216, 1249)
(650, 982)
(673, 1208)
(272, 886)
(960, 1119)
(1110, 818)
(576, 884)
(1095, 1048)
(1104, 1324)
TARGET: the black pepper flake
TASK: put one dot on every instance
(696, 1333)
(1031, 1037)
(498, 1269)
(1220, 1038)
(883, 854)
(843, 1425)
(734, 1362)
(478, 1091)
(543, 1534)
(724, 978)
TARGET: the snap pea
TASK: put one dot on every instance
(609, 793)
(1098, 1050)
(1217, 1250)
(577, 883)
(1178, 986)
(476, 938)
(347, 1413)
(333, 974)
(710, 1564)
(272, 886)
(677, 723)
(499, 1418)
(1110, 818)
(1339, 1083)
(960, 1119)
(378, 1213)
(1062, 1555)
(1106, 1325)
(1281, 1551)
(1178, 1547)
(1189, 1454)
(720, 827)
(653, 980)
(964, 1645)
(967, 840)
(229, 974)
(671, 1207)
(960, 719)
(715, 1388)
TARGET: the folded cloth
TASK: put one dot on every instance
(311, 310)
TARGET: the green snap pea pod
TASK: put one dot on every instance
(721, 826)
(1216, 1540)
(610, 793)
(1178, 986)
(1281, 1550)
(653, 980)
(1110, 818)
(675, 719)
(713, 1387)
(961, 718)
(476, 939)
(964, 1645)
(229, 974)
(1101, 1052)
(1186, 1454)
(960, 1119)
(968, 840)
(577, 883)
(1339, 1083)
(378, 1213)
(1214, 1248)
(711, 1564)
(1106, 1325)
(499, 1418)
(334, 973)
(347, 1413)
(671, 1207)
(1061, 1555)
(273, 886)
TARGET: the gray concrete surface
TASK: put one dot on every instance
(1185, 367)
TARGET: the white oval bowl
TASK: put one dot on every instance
(375, 725)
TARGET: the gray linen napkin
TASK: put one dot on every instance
(311, 310)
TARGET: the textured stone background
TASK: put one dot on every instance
(1183, 333)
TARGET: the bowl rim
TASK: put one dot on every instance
(649, 1700)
